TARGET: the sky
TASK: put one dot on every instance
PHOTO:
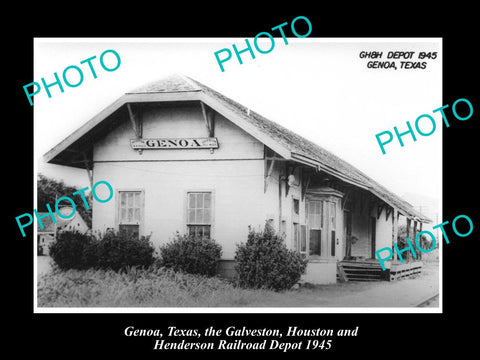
(319, 88)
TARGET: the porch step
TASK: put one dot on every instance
(360, 271)
(399, 271)
(349, 270)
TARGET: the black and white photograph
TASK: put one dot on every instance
(299, 181)
(181, 177)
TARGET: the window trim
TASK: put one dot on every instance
(321, 228)
(212, 209)
(326, 235)
(142, 208)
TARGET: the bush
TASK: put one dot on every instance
(265, 262)
(192, 255)
(117, 251)
(68, 250)
(424, 242)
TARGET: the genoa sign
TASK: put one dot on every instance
(180, 143)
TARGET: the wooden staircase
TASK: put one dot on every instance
(399, 271)
(365, 270)
(370, 270)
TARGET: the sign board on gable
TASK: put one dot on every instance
(177, 143)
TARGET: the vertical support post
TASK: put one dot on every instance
(89, 170)
(279, 202)
(414, 236)
(408, 236)
(394, 232)
(419, 254)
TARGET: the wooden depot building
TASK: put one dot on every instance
(182, 157)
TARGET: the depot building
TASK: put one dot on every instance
(182, 157)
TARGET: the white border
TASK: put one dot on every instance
(232, 310)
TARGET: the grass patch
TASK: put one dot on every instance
(154, 287)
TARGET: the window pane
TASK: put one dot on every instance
(332, 212)
(206, 231)
(131, 231)
(315, 242)
(123, 199)
(206, 216)
(295, 237)
(137, 199)
(199, 216)
(199, 201)
(199, 231)
(332, 249)
(191, 216)
(123, 215)
(130, 215)
(191, 201)
(320, 213)
(207, 201)
(315, 214)
(130, 199)
(137, 215)
(303, 238)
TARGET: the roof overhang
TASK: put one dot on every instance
(69, 151)
(76, 150)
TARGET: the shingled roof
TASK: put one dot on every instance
(282, 140)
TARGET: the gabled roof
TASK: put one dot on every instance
(283, 141)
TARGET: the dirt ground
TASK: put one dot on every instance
(400, 293)
(43, 265)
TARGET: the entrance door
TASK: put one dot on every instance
(373, 231)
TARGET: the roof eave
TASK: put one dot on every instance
(109, 110)
(246, 126)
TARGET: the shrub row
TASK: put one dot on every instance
(262, 262)
(74, 250)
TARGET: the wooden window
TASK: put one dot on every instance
(296, 206)
(296, 237)
(332, 214)
(303, 239)
(130, 212)
(199, 214)
(315, 225)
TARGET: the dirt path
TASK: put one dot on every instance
(400, 293)
(43, 265)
